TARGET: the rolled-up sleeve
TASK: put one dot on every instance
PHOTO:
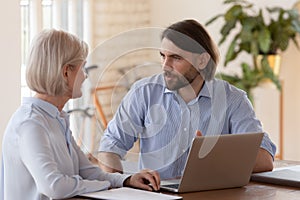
(125, 126)
(243, 120)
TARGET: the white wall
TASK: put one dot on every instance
(10, 61)
(290, 71)
(168, 11)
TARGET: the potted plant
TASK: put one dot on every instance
(259, 36)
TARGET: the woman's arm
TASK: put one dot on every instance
(37, 155)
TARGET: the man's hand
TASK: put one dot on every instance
(198, 133)
(145, 179)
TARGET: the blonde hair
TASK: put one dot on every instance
(51, 50)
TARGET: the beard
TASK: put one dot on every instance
(175, 81)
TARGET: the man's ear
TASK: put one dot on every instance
(202, 60)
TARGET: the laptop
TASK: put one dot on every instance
(287, 176)
(217, 162)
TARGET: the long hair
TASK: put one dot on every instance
(191, 36)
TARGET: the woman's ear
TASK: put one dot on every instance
(65, 71)
(202, 61)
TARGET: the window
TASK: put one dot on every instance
(40, 14)
(60, 14)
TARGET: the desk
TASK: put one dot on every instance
(252, 191)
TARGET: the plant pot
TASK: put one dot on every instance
(274, 62)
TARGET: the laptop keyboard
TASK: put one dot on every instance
(175, 186)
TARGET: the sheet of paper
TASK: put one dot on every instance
(126, 193)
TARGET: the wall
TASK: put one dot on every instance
(116, 40)
(10, 61)
(166, 12)
(289, 72)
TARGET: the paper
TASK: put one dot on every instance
(126, 193)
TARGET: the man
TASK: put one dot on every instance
(166, 111)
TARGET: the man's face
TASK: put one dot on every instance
(177, 65)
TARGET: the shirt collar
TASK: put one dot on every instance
(45, 106)
(206, 90)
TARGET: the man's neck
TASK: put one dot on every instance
(191, 91)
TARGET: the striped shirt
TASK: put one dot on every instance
(166, 124)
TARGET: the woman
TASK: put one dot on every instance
(41, 159)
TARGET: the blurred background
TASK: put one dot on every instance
(123, 36)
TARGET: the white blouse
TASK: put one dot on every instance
(41, 159)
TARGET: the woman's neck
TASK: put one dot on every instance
(57, 101)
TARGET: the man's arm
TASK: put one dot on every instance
(244, 120)
(110, 162)
(264, 161)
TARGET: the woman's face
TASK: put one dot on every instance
(76, 77)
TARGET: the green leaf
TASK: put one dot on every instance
(232, 79)
(233, 13)
(248, 23)
(296, 43)
(228, 27)
(284, 42)
(264, 40)
(213, 19)
(296, 25)
(254, 35)
(230, 55)
(254, 49)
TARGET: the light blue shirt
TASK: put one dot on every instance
(166, 125)
(41, 159)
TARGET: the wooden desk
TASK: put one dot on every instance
(252, 191)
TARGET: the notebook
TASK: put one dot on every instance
(288, 176)
(217, 162)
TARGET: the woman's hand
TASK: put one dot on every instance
(145, 179)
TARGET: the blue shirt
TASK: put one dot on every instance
(41, 159)
(166, 124)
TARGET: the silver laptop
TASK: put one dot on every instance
(217, 162)
(287, 176)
